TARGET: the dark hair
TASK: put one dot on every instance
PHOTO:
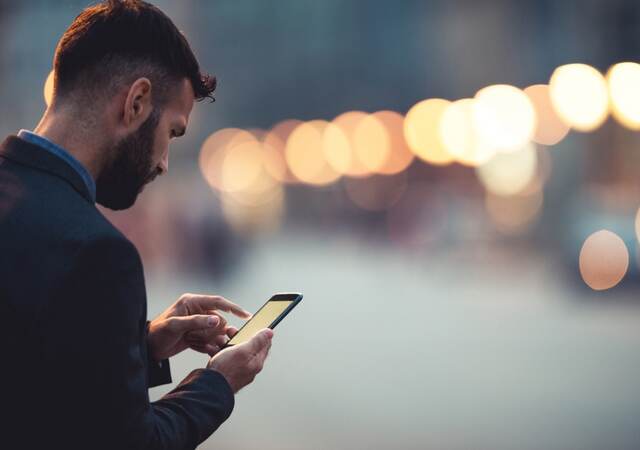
(118, 41)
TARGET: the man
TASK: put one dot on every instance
(79, 354)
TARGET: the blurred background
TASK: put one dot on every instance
(452, 185)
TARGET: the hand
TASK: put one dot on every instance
(240, 364)
(192, 322)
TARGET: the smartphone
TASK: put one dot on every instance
(268, 316)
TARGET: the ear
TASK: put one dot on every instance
(137, 105)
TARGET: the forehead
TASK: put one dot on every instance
(181, 100)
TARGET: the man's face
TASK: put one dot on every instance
(144, 154)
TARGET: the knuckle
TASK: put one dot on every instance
(255, 365)
(191, 336)
(173, 324)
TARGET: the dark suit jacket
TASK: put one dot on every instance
(75, 370)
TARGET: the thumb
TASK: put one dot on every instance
(261, 341)
(194, 322)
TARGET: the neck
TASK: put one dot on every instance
(67, 131)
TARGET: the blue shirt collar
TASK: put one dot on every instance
(60, 152)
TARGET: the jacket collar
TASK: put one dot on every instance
(28, 154)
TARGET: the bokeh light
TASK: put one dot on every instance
(422, 131)
(624, 89)
(545, 165)
(214, 151)
(459, 134)
(371, 143)
(242, 166)
(492, 132)
(48, 89)
(236, 165)
(337, 149)
(376, 193)
(504, 117)
(275, 143)
(344, 147)
(579, 95)
(305, 155)
(509, 173)
(263, 216)
(260, 191)
(401, 155)
(274, 160)
(550, 129)
(637, 225)
(514, 214)
(604, 260)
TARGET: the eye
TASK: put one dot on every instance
(177, 133)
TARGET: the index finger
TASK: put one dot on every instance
(220, 303)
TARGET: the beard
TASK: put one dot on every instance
(121, 181)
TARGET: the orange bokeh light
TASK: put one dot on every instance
(604, 260)
(214, 150)
(376, 193)
(422, 131)
(459, 134)
(48, 89)
(305, 155)
(341, 147)
(550, 128)
(401, 155)
(275, 143)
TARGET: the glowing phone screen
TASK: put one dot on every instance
(262, 319)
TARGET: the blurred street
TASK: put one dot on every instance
(444, 350)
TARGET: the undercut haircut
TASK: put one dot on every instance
(116, 42)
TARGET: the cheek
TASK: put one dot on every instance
(160, 147)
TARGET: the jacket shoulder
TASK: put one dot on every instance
(45, 223)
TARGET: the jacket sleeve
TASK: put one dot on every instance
(158, 372)
(98, 338)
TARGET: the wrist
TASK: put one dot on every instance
(151, 353)
(222, 376)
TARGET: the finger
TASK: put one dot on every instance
(209, 349)
(223, 322)
(202, 348)
(261, 342)
(212, 349)
(261, 356)
(231, 331)
(184, 324)
(219, 340)
(209, 333)
(203, 335)
(220, 303)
